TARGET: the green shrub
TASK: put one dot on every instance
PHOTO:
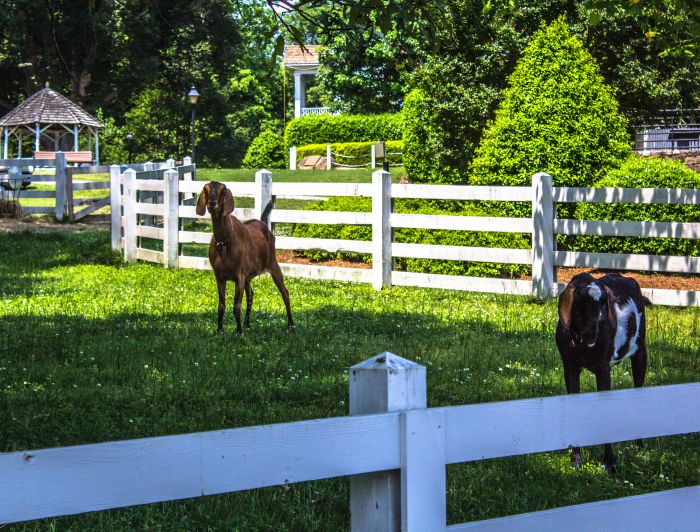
(417, 236)
(361, 150)
(643, 172)
(266, 151)
(329, 129)
(557, 116)
(443, 121)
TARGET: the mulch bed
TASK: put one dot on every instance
(645, 280)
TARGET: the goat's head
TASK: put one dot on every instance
(215, 198)
(583, 306)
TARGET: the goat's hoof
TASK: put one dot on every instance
(610, 469)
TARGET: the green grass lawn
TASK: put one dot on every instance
(94, 350)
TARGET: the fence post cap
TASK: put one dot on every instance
(387, 361)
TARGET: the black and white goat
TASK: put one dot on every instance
(601, 323)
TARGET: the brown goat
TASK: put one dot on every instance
(239, 252)
(601, 323)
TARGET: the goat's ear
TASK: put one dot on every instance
(202, 200)
(227, 201)
(566, 303)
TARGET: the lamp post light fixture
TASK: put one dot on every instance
(193, 95)
(129, 144)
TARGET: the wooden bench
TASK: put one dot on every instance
(71, 156)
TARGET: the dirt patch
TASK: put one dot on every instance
(41, 224)
(289, 257)
(645, 280)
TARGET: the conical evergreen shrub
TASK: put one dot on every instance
(557, 116)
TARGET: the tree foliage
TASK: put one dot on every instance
(557, 116)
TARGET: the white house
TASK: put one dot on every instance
(303, 62)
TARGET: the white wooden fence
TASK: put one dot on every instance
(542, 225)
(394, 447)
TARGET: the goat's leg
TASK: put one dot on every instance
(602, 380)
(639, 373)
(277, 276)
(221, 287)
(572, 379)
(238, 299)
(248, 303)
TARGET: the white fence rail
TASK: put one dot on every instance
(542, 225)
(391, 444)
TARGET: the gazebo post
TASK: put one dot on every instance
(75, 137)
(37, 137)
(4, 150)
(97, 149)
(19, 145)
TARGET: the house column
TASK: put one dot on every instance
(298, 94)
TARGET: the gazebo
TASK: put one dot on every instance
(49, 117)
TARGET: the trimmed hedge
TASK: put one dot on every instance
(557, 116)
(266, 151)
(361, 150)
(642, 172)
(330, 129)
(417, 236)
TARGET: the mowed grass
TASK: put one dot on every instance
(94, 350)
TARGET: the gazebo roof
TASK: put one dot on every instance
(48, 107)
(301, 56)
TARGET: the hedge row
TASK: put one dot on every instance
(330, 129)
(362, 151)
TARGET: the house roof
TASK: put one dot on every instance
(301, 56)
(48, 107)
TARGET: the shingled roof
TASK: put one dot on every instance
(48, 107)
(301, 56)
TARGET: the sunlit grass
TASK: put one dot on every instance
(94, 350)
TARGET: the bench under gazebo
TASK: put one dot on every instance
(50, 117)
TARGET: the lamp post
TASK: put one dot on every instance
(129, 144)
(193, 95)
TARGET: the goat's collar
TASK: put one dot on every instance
(221, 246)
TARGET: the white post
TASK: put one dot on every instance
(6, 140)
(130, 240)
(374, 156)
(423, 471)
(19, 146)
(170, 163)
(61, 192)
(97, 148)
(263, 192)
(75, 137)
(542, 236)
(297, 94)
(381, 230)
(115, 205)
(171, 218)
(293, 158)
(329, 161)
(37, 136)
(384, 383)
(189, 176)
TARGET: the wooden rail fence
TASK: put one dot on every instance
(543, 255)
(394, 448)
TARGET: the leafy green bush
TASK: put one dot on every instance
(443, 121)
(416, 236)
(361, 150)
(266, 151)
(329, 129)
(642, 172)
(557, 116)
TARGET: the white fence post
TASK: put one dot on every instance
(171, 219)
(61, 185)
(381, 230)
(263, 192)
(384, 383)
(170, 163)
(115, 205)
(130, 240)
(293, 158)
(542, 236)
(423, 471)
(329, 160)
(374, 156)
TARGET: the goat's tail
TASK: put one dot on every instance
(265, 217)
